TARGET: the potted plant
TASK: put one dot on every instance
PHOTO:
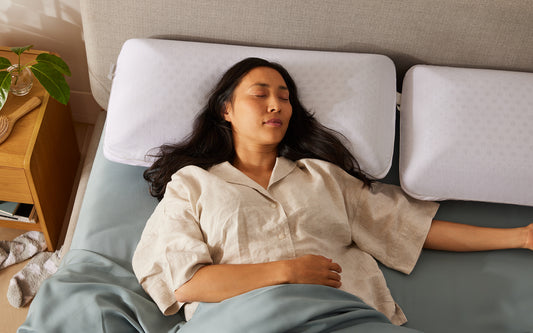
(49, 69)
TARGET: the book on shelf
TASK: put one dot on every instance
(8, 207)
(19, 212)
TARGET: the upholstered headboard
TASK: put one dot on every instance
(483, 34)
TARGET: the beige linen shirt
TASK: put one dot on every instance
(221, 216)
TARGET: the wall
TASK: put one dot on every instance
(52, 25)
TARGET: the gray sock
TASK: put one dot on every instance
(21, 248)
(24, 285)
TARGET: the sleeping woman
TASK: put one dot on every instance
(263, 205)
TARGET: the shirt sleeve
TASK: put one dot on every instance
(391, 226)
(171, 248)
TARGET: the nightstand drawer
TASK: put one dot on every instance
(14, 185)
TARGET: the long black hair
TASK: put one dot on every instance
(211, 140)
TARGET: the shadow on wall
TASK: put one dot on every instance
(55, 26)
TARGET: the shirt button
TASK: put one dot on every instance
(281, 236)
(273, 205)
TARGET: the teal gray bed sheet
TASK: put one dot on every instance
(447, 292)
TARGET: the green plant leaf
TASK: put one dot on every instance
(5, 84)
(19, 50)
(53, 81)
(55, 62)
(4, 63)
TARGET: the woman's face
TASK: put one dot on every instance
(260, 110)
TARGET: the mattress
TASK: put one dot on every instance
(447, 292)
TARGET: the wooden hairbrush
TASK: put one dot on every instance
(8, 121)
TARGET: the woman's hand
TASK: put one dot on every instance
(313, 269)
(215, 283)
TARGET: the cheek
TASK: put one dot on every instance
(289, 113)
(243, 121)
(250, 111)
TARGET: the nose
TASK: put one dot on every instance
(274, 105)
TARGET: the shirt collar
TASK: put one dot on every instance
(231, 174)
(281, 169)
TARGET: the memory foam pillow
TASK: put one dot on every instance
(160, 85)
(467, 134)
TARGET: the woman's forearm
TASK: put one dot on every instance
(449, 236)
(215, 283)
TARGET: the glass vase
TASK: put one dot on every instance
(21, 81)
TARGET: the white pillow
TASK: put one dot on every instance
(160, 86)
(467, 134)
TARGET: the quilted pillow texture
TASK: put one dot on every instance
(160, 85)
(467, 134)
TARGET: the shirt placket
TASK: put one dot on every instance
(283, 237)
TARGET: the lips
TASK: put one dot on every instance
(274, 122)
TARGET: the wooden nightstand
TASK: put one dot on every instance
(39, 160)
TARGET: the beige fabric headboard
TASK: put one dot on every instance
(466, 33)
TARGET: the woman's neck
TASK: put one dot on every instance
(256, 164)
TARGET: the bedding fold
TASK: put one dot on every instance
(291, 308)
(91, 293)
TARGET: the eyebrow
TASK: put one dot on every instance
(260, 84)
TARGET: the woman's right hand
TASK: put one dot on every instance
(215, 283)
(314, 269)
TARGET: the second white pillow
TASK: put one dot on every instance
(467, 134)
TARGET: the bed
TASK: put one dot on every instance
(420, 45)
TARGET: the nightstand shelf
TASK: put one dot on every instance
(39, 160)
